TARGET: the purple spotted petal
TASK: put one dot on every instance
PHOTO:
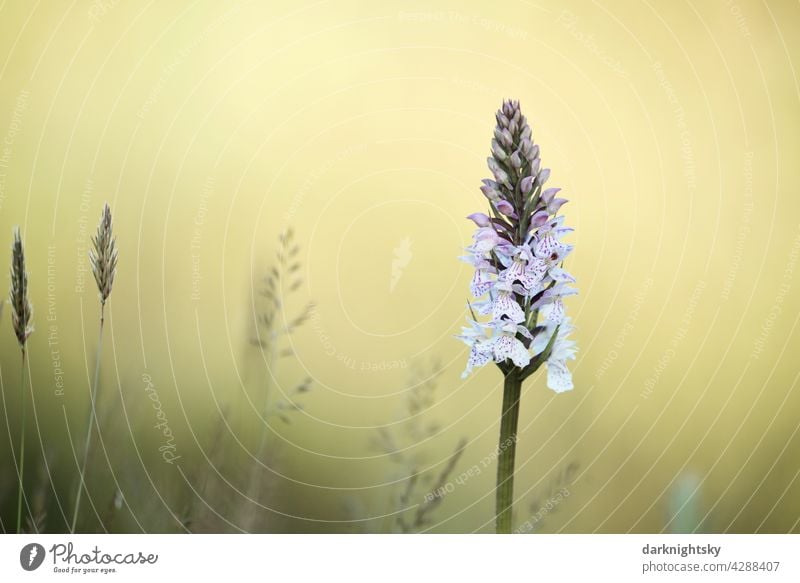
(482, 282)
(559, 379)
(546, 246)
(561, 276)
(505, 305)
(477, 359)
(508, 347)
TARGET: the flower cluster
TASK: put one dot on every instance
(518, 255)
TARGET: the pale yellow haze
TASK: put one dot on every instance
(672, 127)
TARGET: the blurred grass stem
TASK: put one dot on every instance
(92, 417)
(21, 494)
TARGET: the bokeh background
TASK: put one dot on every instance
(212, 128)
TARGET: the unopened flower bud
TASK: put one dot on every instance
(544, 175)
(498, 151)
(480, 219)
(506, 208)
(526, 185)
(549, 194)
(490, 193)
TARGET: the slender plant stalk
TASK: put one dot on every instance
(520, 282)
(103, 258)
(256, 471)
(506, 451)
(21, 318)
(282, 277)
(21, 448)
(92, 416)
(271, 367)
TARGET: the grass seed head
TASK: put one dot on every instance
(103, 256)
(21, 309)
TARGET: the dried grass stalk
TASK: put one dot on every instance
(103, 258)
(21, 318)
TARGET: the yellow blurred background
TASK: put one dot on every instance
(364, 126)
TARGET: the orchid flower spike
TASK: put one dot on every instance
(518, 255)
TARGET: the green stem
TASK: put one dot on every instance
(256, 470)
(92, 416)
(21, 494)
(506, 448)
(262, 445)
